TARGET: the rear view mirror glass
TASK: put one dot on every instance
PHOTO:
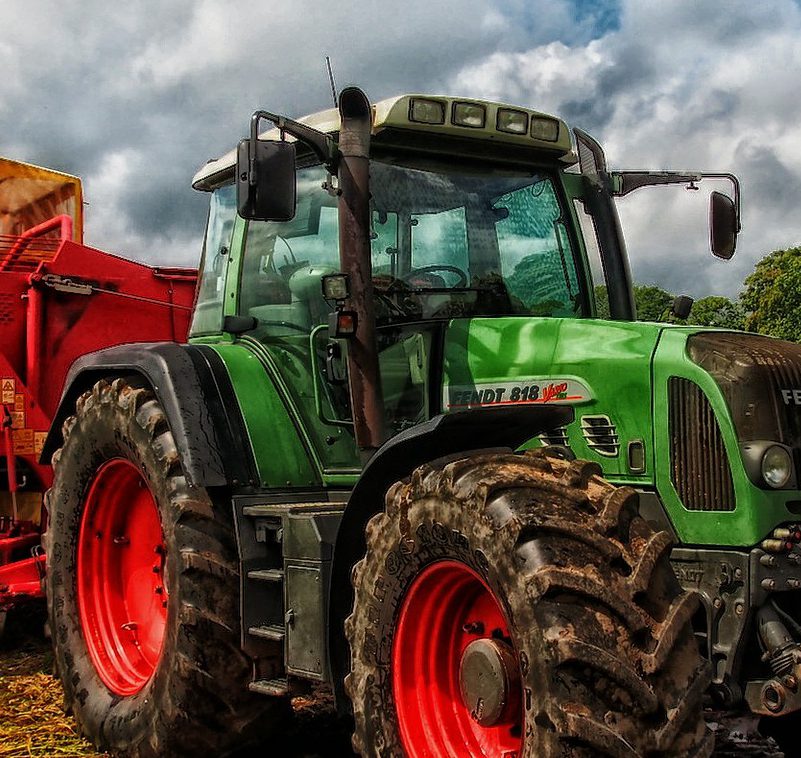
(265, 180)
(722, 225)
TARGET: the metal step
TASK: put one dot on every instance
(267, 575)
(273, 510)
(270, 686)
(275, 633)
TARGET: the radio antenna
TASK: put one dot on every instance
(331, 79)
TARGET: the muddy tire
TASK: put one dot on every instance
(517, 605)
(170, 680)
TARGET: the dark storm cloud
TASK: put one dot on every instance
(687, 86)
(134, 98)
(773, 187)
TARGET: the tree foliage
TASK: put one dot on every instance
(653, 304)
(717, 311)
(772, 295)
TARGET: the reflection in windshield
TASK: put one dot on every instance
(444, 244)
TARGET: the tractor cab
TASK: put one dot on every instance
(473, 210)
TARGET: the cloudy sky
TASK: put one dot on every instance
(134, 97)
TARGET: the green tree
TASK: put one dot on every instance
(652, 302)
(602, 301)
(772, 295)
(717, 311)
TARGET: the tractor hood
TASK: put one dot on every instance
(602, 368)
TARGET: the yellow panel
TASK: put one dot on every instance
(30, 195)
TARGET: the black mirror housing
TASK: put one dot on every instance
(723, 225)
(265, 180)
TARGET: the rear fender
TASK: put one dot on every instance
(193, 387)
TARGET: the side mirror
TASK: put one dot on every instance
(265, 180)
(723, 225)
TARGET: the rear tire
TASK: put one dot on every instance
(537, 576)
(181, 688)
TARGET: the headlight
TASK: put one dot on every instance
(777, 466)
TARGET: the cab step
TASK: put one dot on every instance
(273, 687)
(267, 575)
(275, 633)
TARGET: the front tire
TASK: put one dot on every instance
(517, 605)
(143, 589)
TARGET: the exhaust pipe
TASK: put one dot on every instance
(367, 402)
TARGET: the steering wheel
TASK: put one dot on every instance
(436, 267)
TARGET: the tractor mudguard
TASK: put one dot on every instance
(192, 386)
(442, 436)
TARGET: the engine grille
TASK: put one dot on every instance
(755, 373)
(557, 436)
(699, 465)
(601, 435)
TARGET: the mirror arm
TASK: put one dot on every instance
(624, 182)
(321, 144)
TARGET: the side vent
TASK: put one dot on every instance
(557, 436)
(699, 465)
(601, 435)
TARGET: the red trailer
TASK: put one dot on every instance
(58, 300)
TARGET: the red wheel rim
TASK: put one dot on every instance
(122, 596)
(448, 607)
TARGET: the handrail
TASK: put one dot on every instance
(62, 222)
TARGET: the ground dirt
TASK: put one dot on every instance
(33, 724)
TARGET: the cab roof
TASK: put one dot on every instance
(402, 113)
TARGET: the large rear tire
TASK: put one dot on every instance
(517, 605)
(143, 589)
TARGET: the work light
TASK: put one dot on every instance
(514, 122)
(426, 111)
(544, 128)
(336, 286)
(469, 114)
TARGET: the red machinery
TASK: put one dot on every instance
(58, 300)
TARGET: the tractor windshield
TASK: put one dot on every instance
(445, 244)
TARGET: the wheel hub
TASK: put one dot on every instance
(120, 577)
(489, 679)
(455, 678)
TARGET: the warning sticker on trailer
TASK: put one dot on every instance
(7, 391)
(23, 441)
(19, 403)
(525, 392)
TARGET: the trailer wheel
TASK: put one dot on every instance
(143, 589)
(517, 605)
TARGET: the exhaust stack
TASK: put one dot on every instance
(366, 396)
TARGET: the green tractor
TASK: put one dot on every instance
(400, 458)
